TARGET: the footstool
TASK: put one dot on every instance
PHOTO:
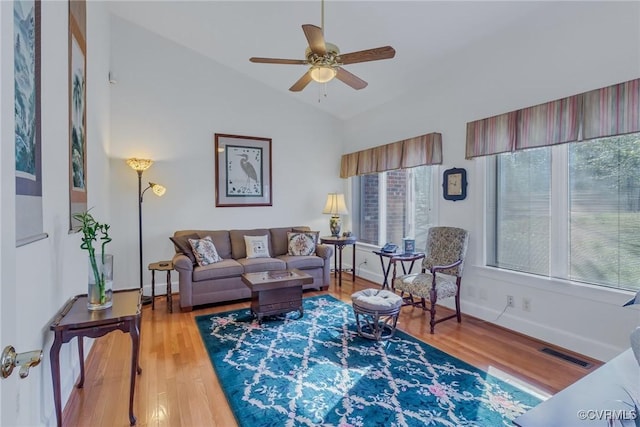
(376, 313)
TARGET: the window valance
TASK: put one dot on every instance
(417, 151)
(612, 110)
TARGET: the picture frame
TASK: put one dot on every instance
(77, 111)
(454, 184)
(28, 162)
(242, 171)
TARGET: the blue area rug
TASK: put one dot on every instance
(317, 371)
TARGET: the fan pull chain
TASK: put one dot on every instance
(322, 91)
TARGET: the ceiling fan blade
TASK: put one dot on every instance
(278, 61)
(350, 79)
(385, 52)
(315, 38)
(301, 83)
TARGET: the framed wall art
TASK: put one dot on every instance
(243, 171)
(454, 184)
(77, 111)
(28, 158)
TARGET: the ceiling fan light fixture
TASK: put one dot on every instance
(322, 73)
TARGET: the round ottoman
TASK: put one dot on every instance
(376, 313)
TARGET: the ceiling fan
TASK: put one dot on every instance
(325, 60)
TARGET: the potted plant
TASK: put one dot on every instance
(101, 266)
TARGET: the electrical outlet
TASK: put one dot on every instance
(510, 302)
(365, 261)
(526, 304)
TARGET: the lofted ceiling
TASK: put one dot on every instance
(425, 34)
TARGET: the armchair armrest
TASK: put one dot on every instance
(437, 268)
(324, 251)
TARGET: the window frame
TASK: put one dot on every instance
(382, 208)
(559, 262)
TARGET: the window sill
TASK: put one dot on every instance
(554, 285)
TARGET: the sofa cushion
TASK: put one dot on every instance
(254, 265)
(236, 237)
(279, 240)
(183, 246)
(302, 243)
(220, 239)
(257, 246)
(205, 251)
(219, 270)
(302, 262)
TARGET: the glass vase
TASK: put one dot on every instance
(100, 293)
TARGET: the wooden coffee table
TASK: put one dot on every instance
(276, 292)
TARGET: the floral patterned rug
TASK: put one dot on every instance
(316, 370)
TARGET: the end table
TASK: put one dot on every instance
(161, 266)
(393, 259)
(340, 243)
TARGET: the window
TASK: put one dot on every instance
(393, 205)
(570, 211)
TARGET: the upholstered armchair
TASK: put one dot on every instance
(441, 272)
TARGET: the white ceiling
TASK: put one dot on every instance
(423, 33)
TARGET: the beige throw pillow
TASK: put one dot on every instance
(257, 246)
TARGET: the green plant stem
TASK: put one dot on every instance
(98, 275)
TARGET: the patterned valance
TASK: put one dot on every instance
(417, 151)
(613, 110)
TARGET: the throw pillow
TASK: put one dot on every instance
(257, 246)
(183, 246)
(302, 243)
(205, 251)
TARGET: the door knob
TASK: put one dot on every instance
(10, 359)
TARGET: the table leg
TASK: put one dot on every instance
(385, 272)
(54, 356)
(340, 247)
(353, 264)
(153, 289)
(169, 293)
(393, 278)
(335, 261)
(81, 356)
(134, 331)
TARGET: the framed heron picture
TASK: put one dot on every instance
(243, 171)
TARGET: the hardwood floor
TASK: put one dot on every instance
(178, 386)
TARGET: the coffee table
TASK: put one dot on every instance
(276, 292)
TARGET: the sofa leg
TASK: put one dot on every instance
(186, 309)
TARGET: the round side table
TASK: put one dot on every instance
(339, 243)
(161, 266)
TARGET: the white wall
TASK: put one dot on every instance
(50, 271)
(167, 105)
(583, 46)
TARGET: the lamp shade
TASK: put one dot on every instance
(322, 74)
(335, 205)
(139, 164)
(158, 189)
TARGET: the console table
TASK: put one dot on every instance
(339, 243)
(593, 400)
(75, 320)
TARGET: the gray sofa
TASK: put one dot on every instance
(221, 281)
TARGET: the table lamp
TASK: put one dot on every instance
(335, 206)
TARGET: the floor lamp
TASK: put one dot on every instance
(141, 165)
